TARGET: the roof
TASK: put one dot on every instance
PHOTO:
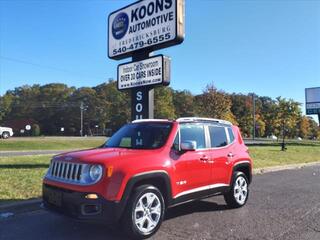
(199, 119)
(150, 120)
(186, 119)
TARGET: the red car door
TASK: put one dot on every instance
(220, 155)
(192, 168)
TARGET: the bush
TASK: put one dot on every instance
(35, 130)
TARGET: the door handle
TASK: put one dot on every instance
(230, 155)
(204, 158)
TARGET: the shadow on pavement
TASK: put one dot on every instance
(40, 224)
(99, 231)
(193, 207)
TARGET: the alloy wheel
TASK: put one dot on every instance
(5, 135)
(147, 212)
(240, 192)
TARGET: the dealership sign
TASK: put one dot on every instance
(313, 100)
(152, 24)
(151, 71)
(136, 31)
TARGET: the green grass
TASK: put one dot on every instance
(268, 156)
(50, 143)
(21, 177)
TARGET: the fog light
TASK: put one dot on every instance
(89, 209)
(91, 196)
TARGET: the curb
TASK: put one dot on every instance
(35, 204)
(33, 152)
(38, 150)
(285, 167)
(21, 206)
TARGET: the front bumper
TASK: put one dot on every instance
(75, 205)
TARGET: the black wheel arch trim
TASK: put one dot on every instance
(152, 175)
(240, 166)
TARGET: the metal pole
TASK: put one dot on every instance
(254, 115)
(283, 145)
(81, 119)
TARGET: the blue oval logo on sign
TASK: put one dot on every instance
(120, 25)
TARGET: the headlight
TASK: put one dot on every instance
(95, 172)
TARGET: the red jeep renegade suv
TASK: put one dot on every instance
(146, 167)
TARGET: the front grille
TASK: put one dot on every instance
(66, 171)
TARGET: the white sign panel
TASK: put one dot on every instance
(313, 95)
(151, 71)
(313, 100)
(152, 24)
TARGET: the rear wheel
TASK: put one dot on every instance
(5, 135)
(144, 213)
(239, 192)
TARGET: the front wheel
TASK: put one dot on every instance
(5, 135)
(144, 213)
(239, 192)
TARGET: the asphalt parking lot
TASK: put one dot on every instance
(282, 205)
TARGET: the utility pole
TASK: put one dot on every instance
(81, 118)
(254, 115)
(283, 144)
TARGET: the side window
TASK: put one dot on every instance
(231, 136)
(193, 132)
(125, 142)
(218, 136)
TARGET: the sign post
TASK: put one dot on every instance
(142, 100)
(135, 31)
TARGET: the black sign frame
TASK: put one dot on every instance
(163, 82)
(179, 34)
(311, 111)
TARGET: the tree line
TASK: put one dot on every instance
(54, 109)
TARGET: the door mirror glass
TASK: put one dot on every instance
(188, 146)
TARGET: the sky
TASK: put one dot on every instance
(269, 47)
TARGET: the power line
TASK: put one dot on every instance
(10, 59)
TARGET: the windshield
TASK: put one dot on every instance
(140, 136)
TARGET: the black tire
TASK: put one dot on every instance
(129, 219)
(5, 135)
(237, 197)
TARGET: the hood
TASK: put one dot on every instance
(104, 155)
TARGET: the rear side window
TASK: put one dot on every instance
(193, 132)
(218, 136)
(231, 136)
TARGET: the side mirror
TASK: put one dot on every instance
(188, 146)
